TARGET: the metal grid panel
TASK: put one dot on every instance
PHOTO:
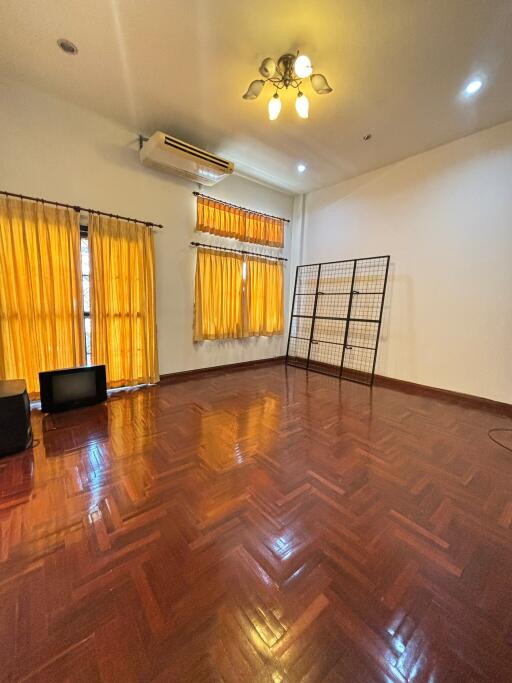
(332, 331)
(365, 306)
(306, 279)
(301, 327)
(304, 304)
(332, 305)
(336, 317)
(325, 357)
(327, 345)
(298, 345)
(358, 364)
(336, 278)
(371, 274)
(363, 334)
(298, 350)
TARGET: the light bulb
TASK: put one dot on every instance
(302, 66)
(302, 106)
(274, 107)
(473, 86)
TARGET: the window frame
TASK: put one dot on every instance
(84, 235)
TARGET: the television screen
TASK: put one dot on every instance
(72, 388)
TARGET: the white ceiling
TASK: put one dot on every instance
(397, 68)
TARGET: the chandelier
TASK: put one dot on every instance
(289, 72)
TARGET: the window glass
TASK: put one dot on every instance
(84, 257)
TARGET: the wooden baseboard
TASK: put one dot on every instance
(420, 389)
(425, 390)
(185, 375)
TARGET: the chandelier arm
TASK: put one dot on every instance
(281, 83)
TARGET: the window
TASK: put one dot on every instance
(86, 294)
(40, 322)
(237, 296)
(121, 260)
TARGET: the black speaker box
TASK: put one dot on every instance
(15, 427)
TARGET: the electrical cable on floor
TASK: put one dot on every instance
(499, 443)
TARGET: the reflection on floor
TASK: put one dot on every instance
(260, 525)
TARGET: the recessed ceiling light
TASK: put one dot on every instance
(473, 86)
(301, 168)
(67, 46)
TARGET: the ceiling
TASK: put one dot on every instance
(397, 68)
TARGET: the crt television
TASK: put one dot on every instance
(72, 388)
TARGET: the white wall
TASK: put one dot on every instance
(53, 149)
(445, 217)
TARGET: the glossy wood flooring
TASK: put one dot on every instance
(259, 525)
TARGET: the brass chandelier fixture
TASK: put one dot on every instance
(288, 72)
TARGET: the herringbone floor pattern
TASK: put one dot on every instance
(260, 525)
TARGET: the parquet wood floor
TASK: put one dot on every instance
(259, 525)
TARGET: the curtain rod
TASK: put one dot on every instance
(236, 206)
(238, 251)
(76, 208)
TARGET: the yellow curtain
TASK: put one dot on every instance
(123, 319)
(218, 295)
(247, 226)
(264, 297)
(41, 317)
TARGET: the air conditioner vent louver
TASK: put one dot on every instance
(194, 151)
(171, 155)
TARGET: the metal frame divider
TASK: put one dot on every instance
(380, 319)
(291, 313)
(358, 365)
(313, 318)
(349, 310)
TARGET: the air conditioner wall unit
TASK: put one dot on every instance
(168, 154)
